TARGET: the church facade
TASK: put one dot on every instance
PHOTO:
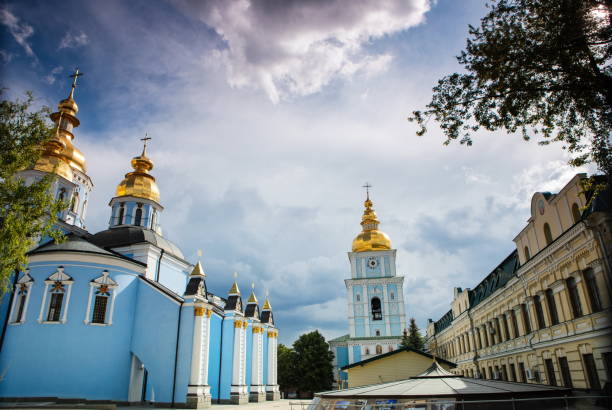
(121, 315)
(376, 308)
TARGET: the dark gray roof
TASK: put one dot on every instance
(267, 317)
(252, 310)
(436, 382)
(130, 235)
(196, 286)
(234, 302)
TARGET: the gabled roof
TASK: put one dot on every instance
(130, 235)
(404, 349)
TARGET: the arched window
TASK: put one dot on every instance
(84, 209)
(378, 349)
(572, 289)
(592, 290)
(367, 351)
(552, 307)
(74, 206)
(154, 219)
(378, 333)
(62, 194)
(547, 234)
(376, 309)
(121, 213)
(527, 254)
(576, 212)
(138, 216)
(392, 296)
(358, 298)
(539, 311)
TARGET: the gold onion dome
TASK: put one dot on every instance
(370, 238)
(139, 183)
(59, 155)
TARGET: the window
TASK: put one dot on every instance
(84, 210)
(376, 309)
(491, 376)
(378, 349)
(504, 373)
(552, 307)
(21, 298)
(526, 322)
(55, 307)
(527, 254)
(572, 289)
(539, 312)
(99, 313)
(513, 372)
(576, 212)
(138, 216)
(392, 296)
(102, 297)
(547, 234)
(550, 372)
(74, 206)
(506, 329)
(367, 351)
(565, 372)
(358, 298)
(591, 371)
(522, 373)
(514, 323)
(62, 194)
(483, 374)
(592, 290)
(378, 333)
(57, 290)
(154, 219)
(390, 348)
(121, 213)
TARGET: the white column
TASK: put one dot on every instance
(272, 390)
(239, 389)
(387, 311)
(258, 390)
(367, 310)
(198, 391)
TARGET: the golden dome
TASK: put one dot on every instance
(139, 183)
(53, 161)
(370, 238)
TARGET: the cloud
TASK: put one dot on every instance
(5, 56)
(20, 31)
(71, 40)
(295, 48)
(50, 78)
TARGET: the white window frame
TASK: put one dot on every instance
(27, 282)
(65, 280)
(97, 283)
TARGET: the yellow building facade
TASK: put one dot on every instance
(543, 314)
(397, 365)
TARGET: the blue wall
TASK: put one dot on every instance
(227, 359)
(214, 355)
(356, 354)
(342, 357)
(56, 360)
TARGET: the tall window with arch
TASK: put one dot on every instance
(61, 194)
(74, 206)
(527, 254)
(21, 299)
(358, 298)
(56, 297)
(121, 215)
(378, 349)
(572, 290)
(547, 234)
(592, 290)
(138, 215)
(376, 309)
(101, 300)
(576, 212)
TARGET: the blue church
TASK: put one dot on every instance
(120, 315)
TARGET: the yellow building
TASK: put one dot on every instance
(543, 314)
(399, 364)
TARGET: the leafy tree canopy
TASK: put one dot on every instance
(313, 363)
(412, 338)
(538, 67)
(286, 367)
(27, 212)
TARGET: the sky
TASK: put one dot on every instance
(266, 118)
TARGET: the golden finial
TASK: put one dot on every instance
(252, 298)
(74, 77)
(234, 290)
(197, 270)
(367, 187)
(266, 305)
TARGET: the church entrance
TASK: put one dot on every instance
(138, 382)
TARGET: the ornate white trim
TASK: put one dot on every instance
(27, 282)
(64, 279)
(97, 283)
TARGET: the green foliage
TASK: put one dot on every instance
(538, 67)
(412, 338)
(286, 367)
(312, 369)
(27, 212)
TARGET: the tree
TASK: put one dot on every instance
(313, 363)
(541, 67)
(412, 338)
(27, 212)
(286, 367)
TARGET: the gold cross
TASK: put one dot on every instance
(74, 77)
(144, 140)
